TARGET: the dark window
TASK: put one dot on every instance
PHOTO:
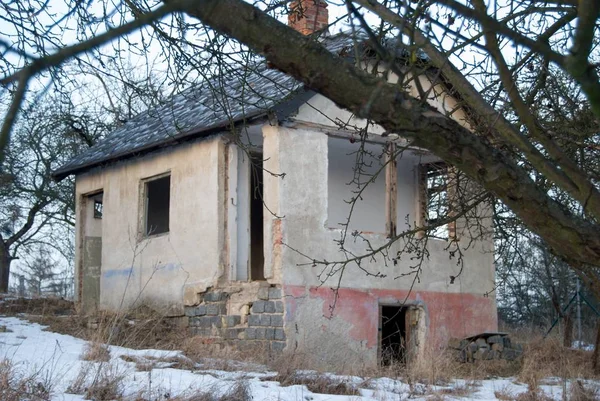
(97, 209)
(436, 201)
(158, 194)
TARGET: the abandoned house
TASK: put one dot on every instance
(178, 212)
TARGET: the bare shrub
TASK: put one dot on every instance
(79, 384)
(15, 386)
(107, 385)
(98, 382)
(578, 391)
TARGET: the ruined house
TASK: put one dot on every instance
(176, 212)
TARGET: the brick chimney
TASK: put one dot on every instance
(308, 16)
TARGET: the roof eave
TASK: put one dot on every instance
(281, 111)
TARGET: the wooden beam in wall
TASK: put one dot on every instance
(391, 189)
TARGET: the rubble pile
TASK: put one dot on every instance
(484, 347)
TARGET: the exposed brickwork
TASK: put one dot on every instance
(308, 16)
(262, 326)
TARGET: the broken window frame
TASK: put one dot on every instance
(98, 209)
(441, 207)
(146, 205)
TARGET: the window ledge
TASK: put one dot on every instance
(152, 236)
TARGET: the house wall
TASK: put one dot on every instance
(313, 315)
(368, 213)
(200, 267)
(167, 270)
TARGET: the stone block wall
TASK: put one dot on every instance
(259, 324)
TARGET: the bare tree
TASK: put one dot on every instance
(495, 57)
(36, 211)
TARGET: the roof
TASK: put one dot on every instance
(241, 94)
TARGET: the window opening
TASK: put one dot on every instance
(436, 201)
(257, 257)
(97, 208)
(158, 194)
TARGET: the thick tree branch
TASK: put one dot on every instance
(11, 114)
(576, 183)
(571, 237)
(35, 209)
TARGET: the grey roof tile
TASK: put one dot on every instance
(213, 104)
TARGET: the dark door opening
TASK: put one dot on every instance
(91, 252)
(394, 336)
(257, 257)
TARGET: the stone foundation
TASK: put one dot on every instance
(258, 322)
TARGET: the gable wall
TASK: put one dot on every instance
(164, 269)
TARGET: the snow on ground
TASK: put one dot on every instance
(56, 359)
(582, 345)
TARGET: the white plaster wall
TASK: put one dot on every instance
(368, 214)
(161, 270)
(303, 200)
(346, 182)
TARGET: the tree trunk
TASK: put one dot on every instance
(568, 331)
(5, 260)
(596, 355)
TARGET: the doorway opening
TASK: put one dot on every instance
(394, 336)
(91, 251)
(257, 256)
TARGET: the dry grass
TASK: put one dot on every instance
(141, 364)
(238, 392)
(105, 389)
(50, 306)
(292, 370)
(547, 357)
(98, 383)
(217, 355)
(97, 352)
(578, 391)
(137, 329)
(15, 386)
(144, 328)
(459, 390)
(317, 383)
(504, 394)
